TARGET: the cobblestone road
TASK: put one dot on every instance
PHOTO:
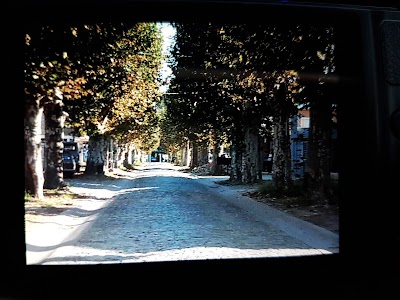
(161, 214)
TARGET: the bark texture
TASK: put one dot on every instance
(34, 178)
(215, 168)
(317, 177)
(281, 176)
(54, 125)
(194, 157)
(251, 169)
(97, 150)
(236, 163)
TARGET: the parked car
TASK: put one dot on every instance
(70, 159)
(69, 165)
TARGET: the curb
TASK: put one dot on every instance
(314, 236)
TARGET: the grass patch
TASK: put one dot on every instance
(296, 194)
(268, 189)
(293, 196)
(52, 198)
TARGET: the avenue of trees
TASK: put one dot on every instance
(232, 84)
(102, 80)
(235, 84)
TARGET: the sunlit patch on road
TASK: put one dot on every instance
(96, 256)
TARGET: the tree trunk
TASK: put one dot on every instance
(97, 150)
(139, 157)
(110, 154)
(282, 177)
(194, 157)
(215, 168)
(202, 155)
(127, 159)
(34, 179)
(120, 156)
(236, 162)
(54, 125)
(186, 155)
(181, 156)
(250, 167)
(317, 170)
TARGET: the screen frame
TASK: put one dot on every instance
(357, 66)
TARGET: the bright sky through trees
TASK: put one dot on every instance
(168, 33)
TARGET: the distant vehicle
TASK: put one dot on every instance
(70, 159)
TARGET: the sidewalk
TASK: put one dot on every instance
(315, 236)
(44, 234)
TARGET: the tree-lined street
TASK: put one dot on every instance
(233, 90)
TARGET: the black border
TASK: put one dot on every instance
(363, 259)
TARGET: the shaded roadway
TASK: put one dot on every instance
(160, 213)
